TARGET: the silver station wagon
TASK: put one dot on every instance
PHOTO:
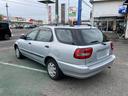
(79, 51)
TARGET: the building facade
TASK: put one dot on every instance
(20, 21)
(107, 17)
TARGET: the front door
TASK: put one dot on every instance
(43, 44)
(26, 46)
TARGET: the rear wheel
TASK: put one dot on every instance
(53, 70)
(6, 37)
(18, 53)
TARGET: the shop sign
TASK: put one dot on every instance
(122, 9)
(72, 12)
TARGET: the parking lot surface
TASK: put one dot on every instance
(27, 78)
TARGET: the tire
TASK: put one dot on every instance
(53, 70)
(18, 53)
(6, 37)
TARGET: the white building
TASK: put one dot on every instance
(107, 17)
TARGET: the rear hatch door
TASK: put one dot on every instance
(95, 39)
(101, 52)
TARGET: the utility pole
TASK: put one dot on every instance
(46, 2)
(79, 12)
(126, 32)
(7, 12)
(68, 9)
(47, 13)
(57, 11)
(92, 17)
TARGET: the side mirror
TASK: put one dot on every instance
(23, 36)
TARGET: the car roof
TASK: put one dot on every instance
(68, 27)
(4, 23)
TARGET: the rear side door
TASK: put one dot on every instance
(43, 44)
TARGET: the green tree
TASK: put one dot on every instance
(1, 17)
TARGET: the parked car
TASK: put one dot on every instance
(19, 27)
(5, 32)
(79, 51)
(30, 26)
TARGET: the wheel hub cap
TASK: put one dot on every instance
(17, 52)
(51, 69)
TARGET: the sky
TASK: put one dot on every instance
(34, 9)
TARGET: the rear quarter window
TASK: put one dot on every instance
(64, 36)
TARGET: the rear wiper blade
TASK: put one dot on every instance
(98, 42)
(95, 42)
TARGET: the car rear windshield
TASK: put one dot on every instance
(4, 25)
(80, 36)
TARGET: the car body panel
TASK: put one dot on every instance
(101, 57)
(4, 30)
(83, 71)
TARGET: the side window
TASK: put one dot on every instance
(64, 36)
(32, 35)
(45, 35)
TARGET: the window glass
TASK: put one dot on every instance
(44, 35)
(80, 36)
(32, 35)
(90, 35)
(4, 25)
(64, 35)
(110, 25)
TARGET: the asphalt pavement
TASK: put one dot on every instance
(24, 77)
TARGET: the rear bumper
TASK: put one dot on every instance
(82, 71)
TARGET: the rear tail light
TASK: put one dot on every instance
(112, 46)
(83, 53)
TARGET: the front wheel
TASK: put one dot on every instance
(53, 70)
(18, 53)
(6, 37)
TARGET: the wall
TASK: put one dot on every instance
(103, 9)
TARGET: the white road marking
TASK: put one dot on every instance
(3, 48)
(23, 67)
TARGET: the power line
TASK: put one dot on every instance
(7, 12)
(33, 2)
(21, 3)
(86, 4)
(30, 2)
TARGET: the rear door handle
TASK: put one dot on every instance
(46, 46)
(30, 43)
